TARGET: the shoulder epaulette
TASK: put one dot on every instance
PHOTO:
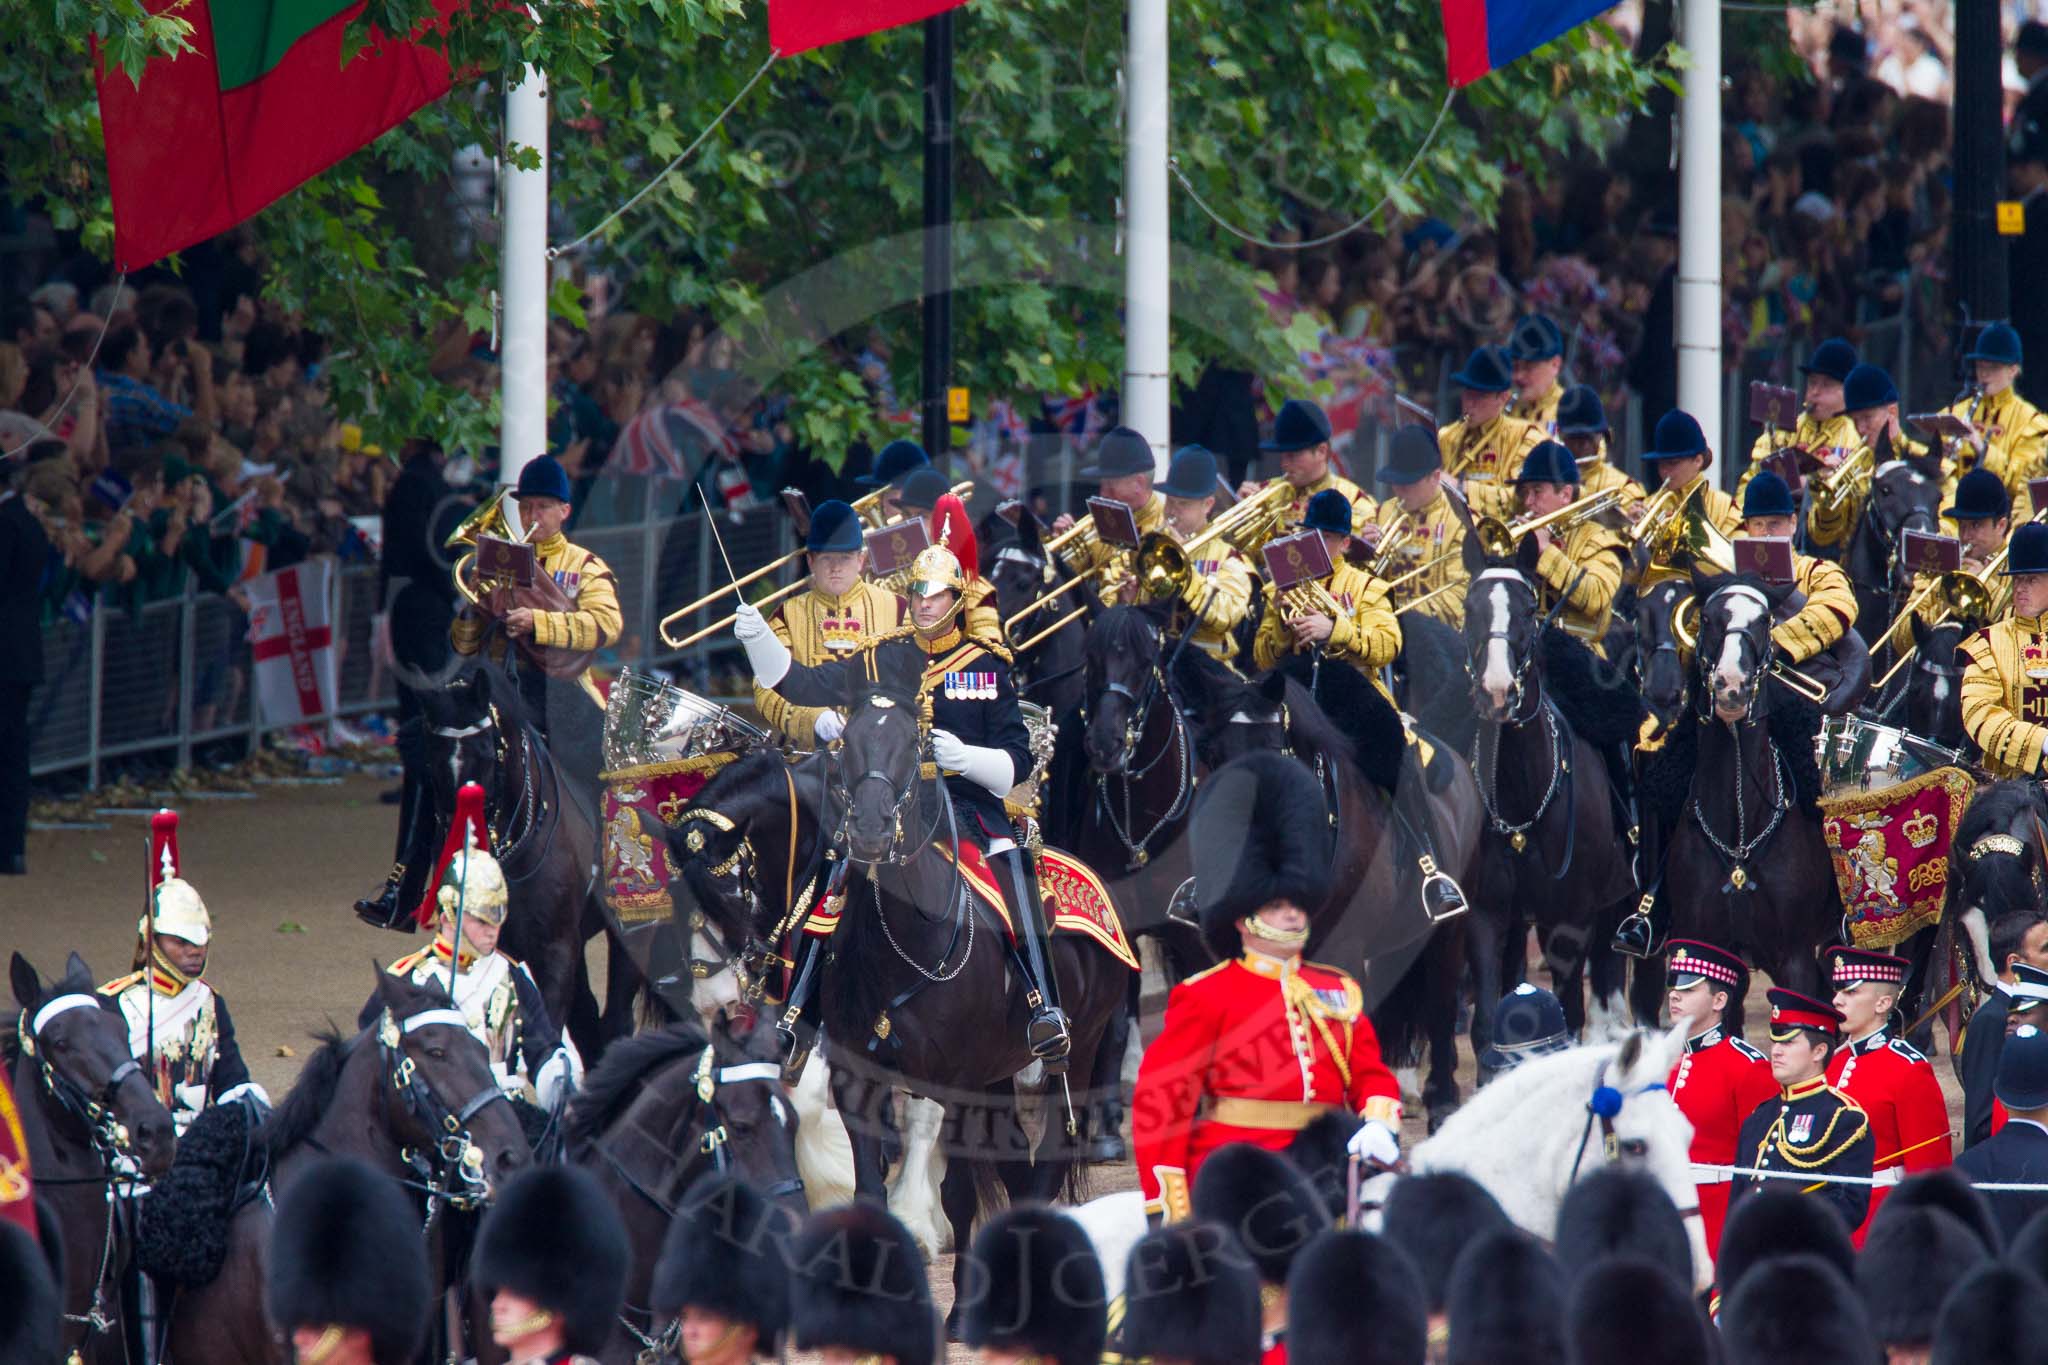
(1204, 974)
(1747, 1049)
(1907, 1050)
(995, 647)
(408, 962)
(120, 983)
(1847, 1101)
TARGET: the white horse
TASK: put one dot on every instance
(1526, 1136)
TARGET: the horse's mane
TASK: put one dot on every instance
(747, 767)
(1994, 809)
(295, 1118)
(615, 1081)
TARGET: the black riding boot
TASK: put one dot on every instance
(798, 1032)
(1415, 826)
(1047, 1035)
(392, 907)
(1641, 932)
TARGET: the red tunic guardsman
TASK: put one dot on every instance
(1719, 1079)
(1255, 1048)
(1887, 1077)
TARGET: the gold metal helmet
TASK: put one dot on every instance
(179, 913)
(935, 570)
(478, 883)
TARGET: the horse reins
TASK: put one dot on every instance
(453, 1175)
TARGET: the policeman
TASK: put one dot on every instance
(1218, 593)
(347, 1271)
(1582, 426)
(1301, 438)
(1043, 1296)
(1982, 512)
(2019, 949)
(1888, 1078)
(895, 464)
(1582, 564)
(1830, 604)
(1363, 632)
(591, 623)
(1871, 401)
(2008, 435)
(1485, 446)
(1123, 470)
(1528, 1022)
(178, 1025)
(1680, 455)
(840, 613)
(858, 1290)
(2005, 683)
(1809, 1128)
(1431, 533)
(1254, 1048)
(723, 1276)
(1536, 355)
(1822, 429)
(2018, 1153)
(497, 996)
(978, 738)
(551, 1260)
(1720, 1079)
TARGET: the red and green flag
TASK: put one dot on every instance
(260, 106)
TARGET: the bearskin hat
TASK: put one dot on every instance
(2029, 1249)
(727, 1253)
(553, 1236)
(1267, 1204)
(1998, 1312)
(1795, 1308)
(1617, 1212)
(1432, 1218)
(1191, 1295)
(1260, 834)
(31, 1306)
(1910, 1260)
(1506, 1303)
(859, 1284)
(1630, 1310)
(1948, 1190)
(1780, 1222)
(1040, 1289)
(346, 1251)
(1321, 1150)
(1355, 1299)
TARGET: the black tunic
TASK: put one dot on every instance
(1977, 1064)
(1813, 1129)
(971, 697)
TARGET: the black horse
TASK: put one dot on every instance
(1905, 495)
(1661, 666)
(1745, 865)
(92, 1124)
(413, 1096)
(921, 993)
(1014, 561)
(478, 730)
(1556, 852)
(1930, 689)
(665, 1108)
(1998, 864)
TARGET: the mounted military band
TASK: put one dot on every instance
(1485, 446)
(1418, 536)
(1582, 426)
(2003, 432)
(2005, 682)
(1536, 355)
(1822, 432)
(1302, 439)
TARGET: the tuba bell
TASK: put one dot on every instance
(491, 518)
(1678, 538)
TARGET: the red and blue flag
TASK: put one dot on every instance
(1485, 35)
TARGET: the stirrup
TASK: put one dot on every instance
(1442, 897)
(1635, 936)
(1049, 1039)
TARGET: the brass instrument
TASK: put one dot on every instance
(868, 508)
(488, 519)
(861, 507)
(1678, 537)
(1310, 598)
(1965, 597)
(1393, 540)
(1805, 684)
(1395, 584)
(1847, 481)
(1499, 538)
(1438, 591)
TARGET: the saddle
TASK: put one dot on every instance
(220, 1169)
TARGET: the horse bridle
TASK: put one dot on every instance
(453, 1173)
(1767, 650)
(1504, 634)
(541, 812)
(1177, 743)
(900, 797)
(93, 1109)
(1602, 1107)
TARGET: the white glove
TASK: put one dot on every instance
(1375, 1141)
(989, 768)
(767, 656)
(556, 1075)
(246, 1090)
(831, 725)
(508, 1080)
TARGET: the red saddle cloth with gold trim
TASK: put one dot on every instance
(1077, 901)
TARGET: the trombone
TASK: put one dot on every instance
(1965, 596)
(1499, 538)
(861, 506)
(1682, 630)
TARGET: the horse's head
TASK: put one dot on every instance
(445, 1099)
(1018, 567)
(1934, 690)
(1735, 647)
(1245, 718)
(1905, 495)
(469, 722)
(1501, 634)
(877, 778)
(79, 1040)
(752, 1121)
(1998, 864)
(1660, 664)
(1121, 670)
(1647, 1131)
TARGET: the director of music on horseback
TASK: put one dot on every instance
(977, 738)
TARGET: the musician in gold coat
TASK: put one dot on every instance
(1830, 607)
(1582, 426)
(2005, 683)
(1983, 517)
(1485, 447)
(1418, 529)
(1871, 401)
(1364, 633)
(1681, 456)
(1123, 469)
(1536, 352)
(1582, 562)
(2010, 435)
(841, 613)
(1301, 438)
(1823, 430)
(1218, 594)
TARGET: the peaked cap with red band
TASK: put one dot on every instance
(1791, 1010)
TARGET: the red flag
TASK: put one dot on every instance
(799, 25)
(261, 105)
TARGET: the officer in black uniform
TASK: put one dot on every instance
(977, 738)
(1810, 1129)
(2018, 996)
(418, 594)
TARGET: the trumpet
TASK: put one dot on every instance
(1310, 598)
(1499, 538)
(1847, 481)
(1686, 633)
(862, 506)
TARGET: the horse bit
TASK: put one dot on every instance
(454, 1175)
